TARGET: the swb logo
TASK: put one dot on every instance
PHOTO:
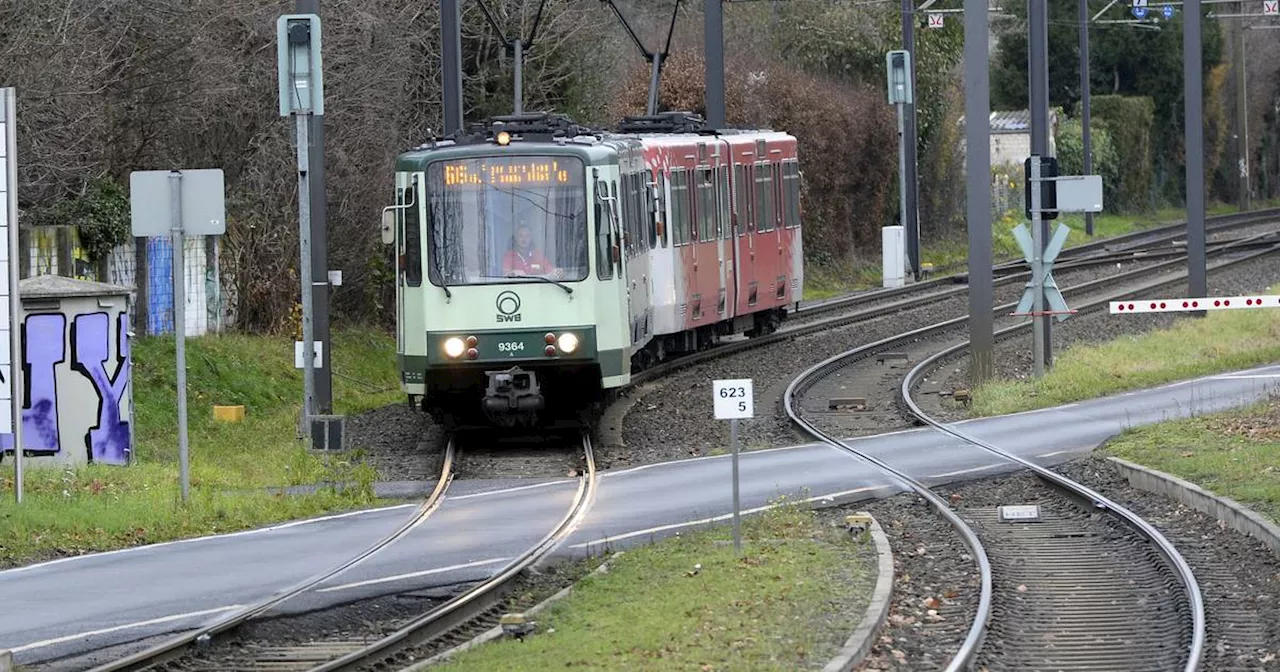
(508, 305)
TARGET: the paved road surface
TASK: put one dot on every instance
(69, 606)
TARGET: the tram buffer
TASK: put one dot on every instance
(1047, 194)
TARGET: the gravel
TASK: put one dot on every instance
(366, 620)
(1238, 576)
(670, 418)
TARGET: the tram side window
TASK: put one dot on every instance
(740, 198)
(679, 206)
(648, 210)
(722, 211)
(764, 197)
(412, 236)
(706, 206)
(793, 194)
(604, 262)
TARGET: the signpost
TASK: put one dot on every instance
(1140, 8)
(1047, 197)
(9, 329)
(733, 399)
(301, 79)
(901, 94)
(197, 206)
(936, 20)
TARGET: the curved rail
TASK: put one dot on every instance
(1075, 253)
(466, 605)
(1166, 548)
(174, 647)
(968, 652)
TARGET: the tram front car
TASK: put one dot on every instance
(510, 296)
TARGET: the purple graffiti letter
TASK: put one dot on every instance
(43, 350)
(108, 441)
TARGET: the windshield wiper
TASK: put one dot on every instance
(437, 249)
(557, 283)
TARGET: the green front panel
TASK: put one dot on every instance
(503, 345)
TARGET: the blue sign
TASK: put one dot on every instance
(1168, 12)
(1140, 12)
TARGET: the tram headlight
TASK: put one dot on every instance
(454, 347)
(568, 343)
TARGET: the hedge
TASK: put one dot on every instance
(1129, 121)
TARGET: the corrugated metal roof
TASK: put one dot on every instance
(1013, 121)
(49, 286)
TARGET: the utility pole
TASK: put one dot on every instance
(1085, 115)
(713, 34)
(911, 204)
(977, 115)
(1242, 111)
(319, 248)
(451, 73)
(1038, 86)
(1193, 86)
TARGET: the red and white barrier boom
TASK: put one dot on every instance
(1186, 305)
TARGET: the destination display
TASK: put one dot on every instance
(532, 172)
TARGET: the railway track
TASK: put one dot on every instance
(879, 303)
(446, 623)
(1075, 591)
(1097, 251)
(173, 648)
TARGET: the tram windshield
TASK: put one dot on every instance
(493, 219)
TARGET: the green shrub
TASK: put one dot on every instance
(1105, 161)
(1129, 121)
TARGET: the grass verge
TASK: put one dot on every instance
(99, 507)
(1235, 454)
(1221, 341)
(789, 603)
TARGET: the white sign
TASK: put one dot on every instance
(1020, 512)
(936, 20)
(297, 354)
(203, 206)
(1271, 7)
(733, 399)
(1139, 3)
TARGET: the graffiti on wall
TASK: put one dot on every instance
(83, 388)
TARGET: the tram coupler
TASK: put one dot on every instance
(513, 390)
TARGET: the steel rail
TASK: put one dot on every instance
(483, 596)
(969, 650)
(973, 641)
(823, 324)
(1126, 241)
(174, 647)
(1163, 545)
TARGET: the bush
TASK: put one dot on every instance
(1129, 121)
(846, 133)
(1105, 161)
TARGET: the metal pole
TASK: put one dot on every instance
(451, 45)
(653, 84)
(1038, 74)
(1086, 115)
(902, 180)
(1242, 113)
(977, 112)
(319, 248)
(16, 386)
(304, 242)
(1037, 262)
(737, 523)
(713, 34)
(1192, 57)
(911, 212)
(178, 275)
(519, 95)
